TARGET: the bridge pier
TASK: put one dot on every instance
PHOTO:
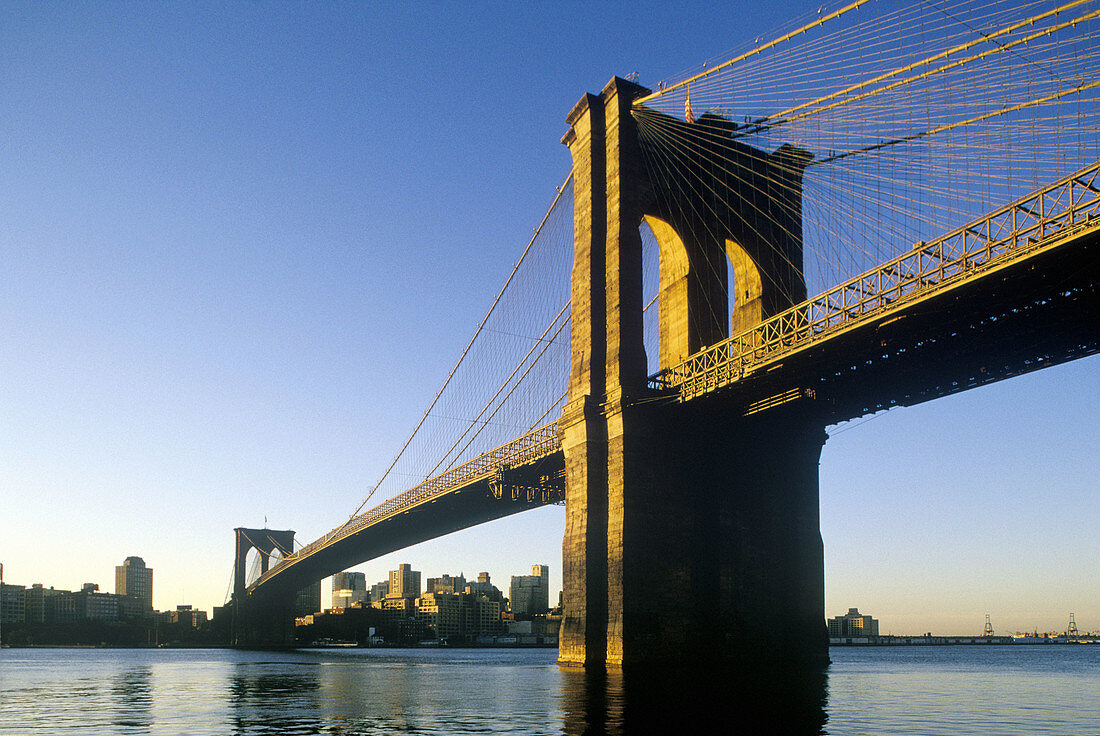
(703, 544)
(714, 544)
(692, 530)
(263, 624)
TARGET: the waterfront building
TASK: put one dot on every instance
(852, 623)
(400, 620)
(458, 617)
(348, 588)
(40, 603)
(442, 614)
(87, 604)
(529, 595)
(130, 607)
(13, 603)
(308, 600)
(100, 606)
(485, 618)
(400, 607)
(404, 582)
(539, 626)
(188, 616)
(65, 608)
(134, 579)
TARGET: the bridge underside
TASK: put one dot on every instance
(461, 508)
(1032, 314)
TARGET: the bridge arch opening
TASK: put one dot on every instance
(651, 298)
(746, 289)
(251, 566)
(685, 304)
(680, 315)
(259, 549)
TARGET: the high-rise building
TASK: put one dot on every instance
(134, 579)
(348, 588)
(446, 584)
(308, 600)
(484, 587)
(404, 582)
(529, 595)
(486, 618)
(379, 590)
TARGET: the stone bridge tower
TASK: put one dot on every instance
(692, 530)
(269, 624)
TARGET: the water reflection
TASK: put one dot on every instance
(664, 700)
(132, 695)
(276, 697)
(381, 692)
(514, 692)
(441, 692)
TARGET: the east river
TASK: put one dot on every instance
(987, 690)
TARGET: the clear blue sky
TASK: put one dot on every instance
(242, 244)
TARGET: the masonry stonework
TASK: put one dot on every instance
(719, 507)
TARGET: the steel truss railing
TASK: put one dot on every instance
(1057, 211)
(536, 444)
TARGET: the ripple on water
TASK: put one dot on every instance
(935, 690)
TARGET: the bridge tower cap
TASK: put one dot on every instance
(625, 87)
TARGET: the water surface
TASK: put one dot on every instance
(987, 690)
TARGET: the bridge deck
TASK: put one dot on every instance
(1065, 213)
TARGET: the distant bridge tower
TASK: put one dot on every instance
(1072, 632)
(988, 631)
(692, 530)
(272, 623)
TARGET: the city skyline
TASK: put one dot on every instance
(222, 233)
(137, 583)
(538, 571)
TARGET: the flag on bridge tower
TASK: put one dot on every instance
(688, 116)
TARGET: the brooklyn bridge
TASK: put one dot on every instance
(852, 216)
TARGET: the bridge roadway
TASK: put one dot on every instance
(1008, 293)
(1012, 292)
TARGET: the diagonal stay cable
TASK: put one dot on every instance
(523, 361)
(462, 357)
